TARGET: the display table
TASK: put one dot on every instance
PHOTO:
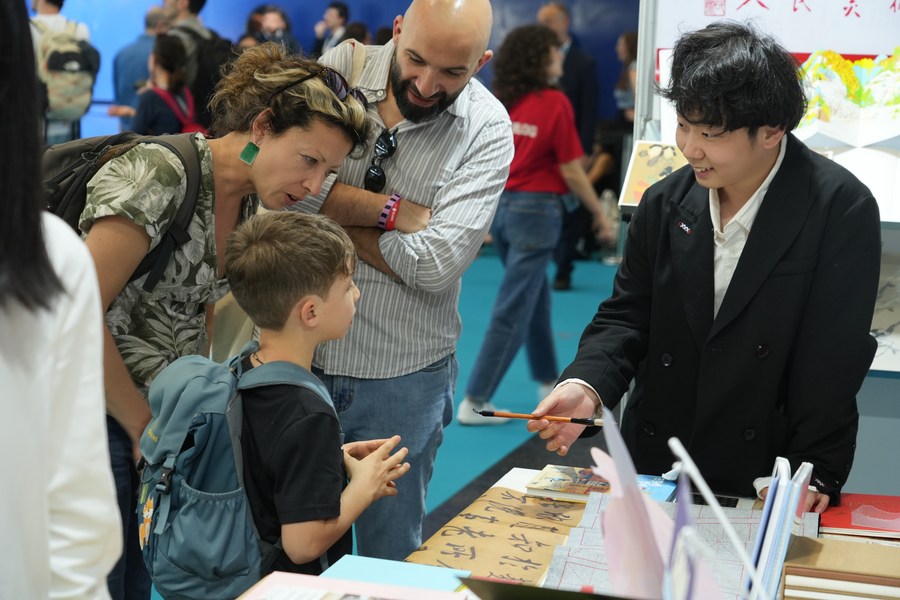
(504, 534)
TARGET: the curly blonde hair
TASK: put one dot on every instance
(248, 84)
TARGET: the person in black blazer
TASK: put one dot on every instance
(579, 79)
(743, 304)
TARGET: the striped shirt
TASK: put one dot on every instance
(456, 164)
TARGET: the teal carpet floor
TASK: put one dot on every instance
(468, 451)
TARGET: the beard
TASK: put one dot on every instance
(413, 112)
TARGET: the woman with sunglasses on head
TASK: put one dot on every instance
(283, 124)
(528, 222)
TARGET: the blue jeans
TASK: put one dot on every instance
(416, 407)
(129, 579)
(526, 230)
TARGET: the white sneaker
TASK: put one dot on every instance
(544, 390)
(466, 414)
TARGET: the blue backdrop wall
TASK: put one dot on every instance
(596, 24)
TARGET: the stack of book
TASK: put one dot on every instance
(833, 569)
(572, 484)
(857, 515)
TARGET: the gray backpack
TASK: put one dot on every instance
(68, 68)
(197, 533)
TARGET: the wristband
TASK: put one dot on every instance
(388, 216)
(392, 216)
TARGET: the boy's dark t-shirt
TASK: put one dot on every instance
(293, 465)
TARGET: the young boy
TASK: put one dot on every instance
(291, 273)
(743, 304)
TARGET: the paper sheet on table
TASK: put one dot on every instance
(583, 559)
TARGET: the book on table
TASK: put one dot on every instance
(840, 569)
(868, 515)
(571, 484)
(657, 487)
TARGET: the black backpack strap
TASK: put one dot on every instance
(176, 235)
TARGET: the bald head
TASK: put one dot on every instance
(439, 46)
(463, 23)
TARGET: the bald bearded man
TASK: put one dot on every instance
(440, 154)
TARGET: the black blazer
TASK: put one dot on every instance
(777, 372)
(579, 82)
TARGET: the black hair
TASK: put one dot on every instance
(26, 274)
(729, 75)
(520, 66)
(383, 35)
(195, 6)
(264, 9)
(342, 9)
(356, 31)
(170, 55)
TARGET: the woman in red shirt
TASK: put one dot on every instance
(528, 221)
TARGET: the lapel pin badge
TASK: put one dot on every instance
(684, 227)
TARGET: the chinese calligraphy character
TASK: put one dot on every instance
(473, 516)
(493, 506)
(505, 577)
(851, 8)
(522, 563)
(895, 5)
(799, 3)
(508, 495)
(467, 531)
(714, 8)
(534, 526)
(552, 516)
(746, 2)
(460, 551)
(520, 542)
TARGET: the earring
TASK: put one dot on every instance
(249, 153)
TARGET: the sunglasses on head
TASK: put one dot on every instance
(385, 146)
(333, 80)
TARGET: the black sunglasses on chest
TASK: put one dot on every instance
(385, 146)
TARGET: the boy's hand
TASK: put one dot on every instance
(375, 474)
(360, 450)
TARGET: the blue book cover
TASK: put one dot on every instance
(393, 572)
(659, 489)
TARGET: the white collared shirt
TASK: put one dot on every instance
(730, 240)
(729, 244)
